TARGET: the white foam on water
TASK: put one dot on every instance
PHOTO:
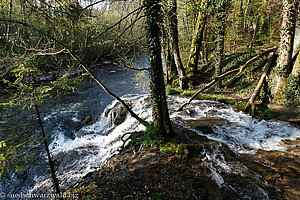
(217, 177)
(241, 130)
(89, 152)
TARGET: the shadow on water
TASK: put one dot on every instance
(64, 115)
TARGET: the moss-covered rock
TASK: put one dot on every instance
(205, 124)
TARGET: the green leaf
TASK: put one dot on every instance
(2, 144)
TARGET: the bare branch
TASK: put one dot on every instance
(117, 23)
(90, 5)
(240, 69)
(260, 83)
(80, 62)
(50, 53)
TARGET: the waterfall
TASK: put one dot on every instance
(94, 144)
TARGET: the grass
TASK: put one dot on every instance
(171, 91)
(146, 138)
(171, 147)
(158, 196)
(187, 93)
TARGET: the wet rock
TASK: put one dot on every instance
(23, 175)
(87, 120)
(205, 169)
(82, 132)
(70, 135)
(205, 124)
(117, 115)
(69, 160)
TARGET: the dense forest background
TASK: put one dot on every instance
(244, 47)
(200, 39)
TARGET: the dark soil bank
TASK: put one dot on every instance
(193, 167)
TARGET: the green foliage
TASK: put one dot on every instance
(27, 90)
(147, 138)
(268, 114)
(293, 91)
(141, 80)
(171, 91)
(201, 96)
(171, 147)
(158, 196)
(16, 150)
(240, 105)
(263, 113)
(206, 97)
(188, 93)
(2, 144)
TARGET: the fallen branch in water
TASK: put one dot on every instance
(239, 70)
(260, 83)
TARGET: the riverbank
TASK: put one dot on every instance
(270, 111)
(193, 167)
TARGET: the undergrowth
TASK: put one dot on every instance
(147, 138)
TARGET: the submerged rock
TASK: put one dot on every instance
(205, 124)
(88, 120)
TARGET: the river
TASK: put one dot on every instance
(78, 150)
(64, 115)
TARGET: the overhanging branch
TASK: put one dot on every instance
(80, 62)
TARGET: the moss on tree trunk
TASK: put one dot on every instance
(162, 123)
(284, 64)
(192, 65)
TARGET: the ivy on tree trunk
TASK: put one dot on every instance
(162, 123)
(192, 65)
(284, 63)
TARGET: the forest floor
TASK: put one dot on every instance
(193, 167)
(279, 112)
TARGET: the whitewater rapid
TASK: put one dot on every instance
(89, 151)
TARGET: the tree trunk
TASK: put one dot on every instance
(221, 24)
(296, 67)
(220, 57)
(242, 15)
(173, 23)
(240, 69)
(24, 30)
(260, 83)
(192, 65)
(246, 16)
(162, 123)
(252, 37)
(170, 66)
(283, 68)
(8, 26)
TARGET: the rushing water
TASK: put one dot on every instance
(64, 115)
(78, 150)
(240, 131)
(94, 143)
